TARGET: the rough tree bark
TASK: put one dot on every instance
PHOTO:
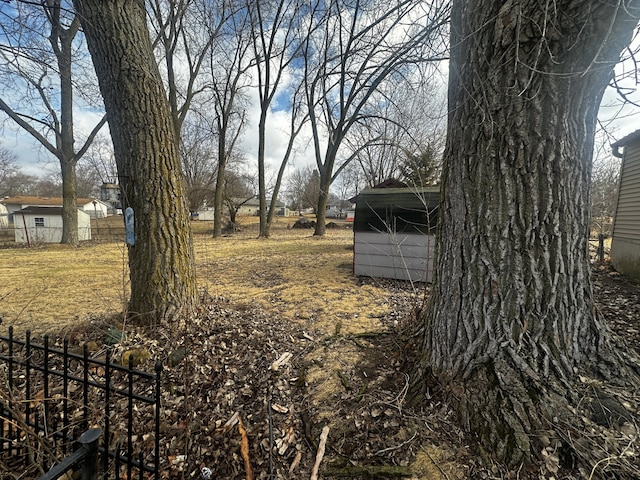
(161, 263)
(323, 197)
(511, 319)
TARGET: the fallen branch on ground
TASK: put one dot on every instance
(320, 454)
(244, 450)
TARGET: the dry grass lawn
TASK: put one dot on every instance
(292, 274)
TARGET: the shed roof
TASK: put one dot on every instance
(43, 201)
(389, 183)
(406, 210)
(41, 211)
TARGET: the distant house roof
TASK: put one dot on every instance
(55, 211)
(251, 202)
(632, 137)
(41, 201)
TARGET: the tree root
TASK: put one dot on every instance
(574, 423)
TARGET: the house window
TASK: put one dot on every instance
(39, 221)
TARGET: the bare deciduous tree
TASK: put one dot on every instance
(19, 184)
(276, 29)
(88, 181)
(351, 49)
(40, 46)
(198, 155)
(100, 159)
(350, 182)
(605, 178)
(8, 169)
(229, 64)
(184, 32)
(303, 188)
(238, 190)
(406, 122)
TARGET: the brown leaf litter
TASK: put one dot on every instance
(254, 392)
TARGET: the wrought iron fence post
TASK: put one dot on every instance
(87, 455)
(89, 441)
(156, 451)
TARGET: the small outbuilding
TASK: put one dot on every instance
(249, 207)
(393, 233)
(625, 242)
(95, 208)
(44, 225)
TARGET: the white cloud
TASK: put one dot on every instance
(34, 159)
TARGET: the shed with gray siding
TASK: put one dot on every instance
(393, 233)
(625, 243)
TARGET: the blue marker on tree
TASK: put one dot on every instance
(129, 227)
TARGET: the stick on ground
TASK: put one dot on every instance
(320, 454)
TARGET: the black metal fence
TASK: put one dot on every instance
(86, 456)
(50, 395)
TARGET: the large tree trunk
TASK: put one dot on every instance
(69, 202)
(321, 209)
(262, 184)
(326, 172)
(511, 316)
(161, 261)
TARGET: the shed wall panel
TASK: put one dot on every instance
(398, 256)
(627, 219)
(27, 230)
(625, 247)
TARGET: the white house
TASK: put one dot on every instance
(247, 208)
(44, 225)
(94, 207)
(205, 214)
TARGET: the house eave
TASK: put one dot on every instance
(623, 142)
